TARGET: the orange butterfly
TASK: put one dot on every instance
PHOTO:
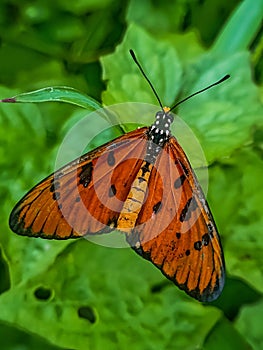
(142, 184)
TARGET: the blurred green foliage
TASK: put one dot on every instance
(78, 295)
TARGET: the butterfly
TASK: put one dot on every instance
(143, 185)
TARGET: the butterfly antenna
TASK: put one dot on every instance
(145, 76)
(199, 92)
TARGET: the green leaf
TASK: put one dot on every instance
(59, 94)
(125, 82)
(78, 309)
(238, 184)
(241, 28)
(83, 296)
(225, 336)
(249, 323)
(232, 108)
(13, 338)
(165, 16)
(17, 125)
(67, 95)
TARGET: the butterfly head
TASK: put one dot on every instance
(159, 131)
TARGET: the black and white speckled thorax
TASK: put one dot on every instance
(159, 133)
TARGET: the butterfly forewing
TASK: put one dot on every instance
(85, 196)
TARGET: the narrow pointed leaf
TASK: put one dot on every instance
(57, 93)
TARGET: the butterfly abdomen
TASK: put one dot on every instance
(135, 199)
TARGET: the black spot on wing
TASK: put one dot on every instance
(112, 191)
(56, 196)
(111, 159)
(55, 186)
(86, 174)
(189, 207)
(157, 207)
(185, 169)
(179, 182)
(198, 245)
(205, 239)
